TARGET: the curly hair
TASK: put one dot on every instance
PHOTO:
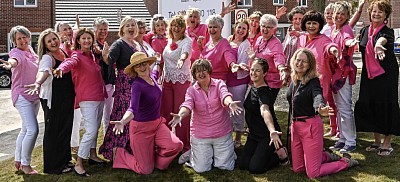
(180, 21)
(313, 16)
(296, 10)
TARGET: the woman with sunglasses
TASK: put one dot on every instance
(152, 143)
(90, 95)
(119, 54)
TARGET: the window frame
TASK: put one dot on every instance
(26, 6)
(277, 3)
(303, 5)
(244, 5)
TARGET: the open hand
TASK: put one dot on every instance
(275, 139)
(280, 11)
(325, 111)
(118, 127)
(234, 108)
(57, 73)
(227, 9)
(176, 119)
(32, 88)
(379, 52)
(5, 64)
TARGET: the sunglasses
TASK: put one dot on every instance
(141, 64)
(158, 18)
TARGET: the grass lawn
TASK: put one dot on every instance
(372, 168)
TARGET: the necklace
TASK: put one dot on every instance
(213, 44)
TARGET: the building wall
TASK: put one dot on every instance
(36, 19)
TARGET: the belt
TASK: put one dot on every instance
(301, 118)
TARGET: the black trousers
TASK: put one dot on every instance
(258, 156)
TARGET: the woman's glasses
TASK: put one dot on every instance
(158, 18)
(141, 64)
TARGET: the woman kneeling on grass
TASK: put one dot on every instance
(211, 129)
(152, 143)
(262, 150)
(306, 104)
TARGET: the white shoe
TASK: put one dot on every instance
(185, 157)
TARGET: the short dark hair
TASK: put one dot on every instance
(295, 10)
(313, 16)
(200, 65)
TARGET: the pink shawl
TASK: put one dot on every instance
(374, 69)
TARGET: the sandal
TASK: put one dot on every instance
(373, 148)
(84, 174)
(74, 150)
(385, 152)
(66, 169)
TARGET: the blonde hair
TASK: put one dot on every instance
(310, 73)
(124, 22)
(42, 49)
(180, 21)
(342, 6)
(156, 18)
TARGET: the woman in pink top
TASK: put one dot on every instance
(217, 50)
(211, 128)
(343, 77)
(157, 38)
(254, 28)
(270, 48)
(195, 30)
(90, 94)
(23, 63)
(237, 82)
(324, 51)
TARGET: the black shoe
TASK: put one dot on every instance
(93, 162)
(84, 174)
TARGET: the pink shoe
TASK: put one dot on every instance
(17, 165)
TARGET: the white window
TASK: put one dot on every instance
(303, 3)
(25, 3)
(244, 2)
(279, 2)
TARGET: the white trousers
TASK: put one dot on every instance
(238, 93)
(345, 116)
(27, 136)
(76, 127)
(108, 104)
(206, 151)
(91, 112)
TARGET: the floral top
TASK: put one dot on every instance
(171, 54)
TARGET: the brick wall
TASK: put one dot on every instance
(36, 19)
(152, 6)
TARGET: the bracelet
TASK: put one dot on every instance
(157, 63)
(37, 82)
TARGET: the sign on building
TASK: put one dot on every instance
(241, 14)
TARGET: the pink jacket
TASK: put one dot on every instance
(86, 75)
(221, 57)
(272, 51)
(200, 30)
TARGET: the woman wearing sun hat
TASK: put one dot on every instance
(147, 130)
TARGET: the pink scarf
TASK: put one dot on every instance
(374, 69)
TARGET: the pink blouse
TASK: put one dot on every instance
(221, 57)
(272, 51)
(86, 75)
(157, 42)
(210, 118)
(23, 74)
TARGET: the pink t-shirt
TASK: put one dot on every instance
(272, 51)
(157, 42)
(320, 46)
(24, 73)
(221, 57)
(210, 117)
(200, 30)
(86, 75)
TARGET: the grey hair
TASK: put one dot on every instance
(191, 11)
(20, 29)
(217, 19)
(99, 21)
(268, 18)
(153, 23)
(58, 25)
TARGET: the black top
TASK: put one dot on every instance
(254, 99)
(120, 54)
(103, 65)
(307, 98)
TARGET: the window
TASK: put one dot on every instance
(25, 3)
(278, 2)
(303, 3)
(244, 2)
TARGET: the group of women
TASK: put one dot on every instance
(183, 89)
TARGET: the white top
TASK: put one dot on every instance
(327, 30)
(242, 57)
(45, 65)
(171, 57)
